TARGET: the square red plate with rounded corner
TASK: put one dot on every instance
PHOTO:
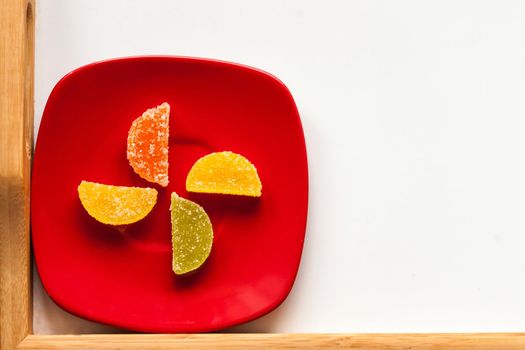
(124, 277)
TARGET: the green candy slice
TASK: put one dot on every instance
(192, 235)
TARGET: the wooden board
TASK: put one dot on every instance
(16, 124)
(280, 341)
(16, 141)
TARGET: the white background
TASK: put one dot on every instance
(414, 116)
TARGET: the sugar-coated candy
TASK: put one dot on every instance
(224, 173)
(116, 205)
(192, 235)
(148, 142)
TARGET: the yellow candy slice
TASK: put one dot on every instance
(192, 234)
(225, 173)
(116, 205)
(148, 142)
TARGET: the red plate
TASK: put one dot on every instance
(125, 278)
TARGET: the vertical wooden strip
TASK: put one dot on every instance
(16, 140)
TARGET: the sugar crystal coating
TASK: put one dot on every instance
(148, 142)
(192, 234)
(224, 173)
(116, 205)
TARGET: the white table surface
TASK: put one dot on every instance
(414, 116)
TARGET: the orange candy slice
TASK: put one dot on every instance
(224, 173)
(192, 235)
(116, 205)
(148, 140)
